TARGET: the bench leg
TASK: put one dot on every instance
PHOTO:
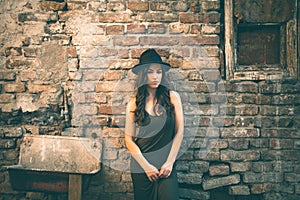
(75, 187)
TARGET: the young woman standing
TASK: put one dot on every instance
(154, 130)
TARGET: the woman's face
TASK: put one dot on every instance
(154, 75)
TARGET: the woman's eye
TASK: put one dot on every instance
(149, 71)
(159, 72)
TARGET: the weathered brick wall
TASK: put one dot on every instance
(83, 50)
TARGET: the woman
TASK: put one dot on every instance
(154, 131)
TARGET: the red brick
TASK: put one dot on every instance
(30, 52)
(6, 98)
(113, 17)
(160, 41)
(115, 30)
(159, 6)
(106, 109)
(14, 87)
(35, 88)
(158, 17)
(189, 18)
(260, 188)
(26, 75)
(156, 28)
(201, 39)
(52, 6)
(105, 87)
(13, 51)
(211, 17)
(71, 52)
(126, 41)
(138, 6)
(195, 29)
(136, 28)
(7, 76)
(113, 75)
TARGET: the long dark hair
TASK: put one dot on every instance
(163, 102)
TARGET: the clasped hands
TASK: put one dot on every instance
(154, 174)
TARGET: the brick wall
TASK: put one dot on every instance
(83, 50)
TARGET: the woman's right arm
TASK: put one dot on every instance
(130, 128)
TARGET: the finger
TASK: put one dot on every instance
(161, 172)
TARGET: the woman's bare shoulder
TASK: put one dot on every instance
(174, 96)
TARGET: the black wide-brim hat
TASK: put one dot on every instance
(150, 56)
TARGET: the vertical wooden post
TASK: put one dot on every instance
(75, 187)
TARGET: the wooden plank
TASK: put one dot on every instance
(229, 40)
(75, 187)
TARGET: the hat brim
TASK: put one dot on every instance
(138, 67)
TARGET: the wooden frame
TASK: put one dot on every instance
(289, 60)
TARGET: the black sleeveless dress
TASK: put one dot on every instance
(155, 141)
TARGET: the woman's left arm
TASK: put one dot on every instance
(167, 168)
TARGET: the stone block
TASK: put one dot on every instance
(211, 183)
(244, 155)
(249, 110)
(283, 188)
(189, 178)
(217, 170)
(240, 166)
(187, 193)
(260, 188)
(211, 155)
(262, 167)
(263, 177)
(283, 166)
(283, 99)
(281, 143)
(239, 190)
(283, 155)
(7, 143)
(242, 87)
(240, 132)
(239, 144)
(292, 177)
(199, 166)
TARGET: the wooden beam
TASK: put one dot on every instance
(75, 187)
(229, 39)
